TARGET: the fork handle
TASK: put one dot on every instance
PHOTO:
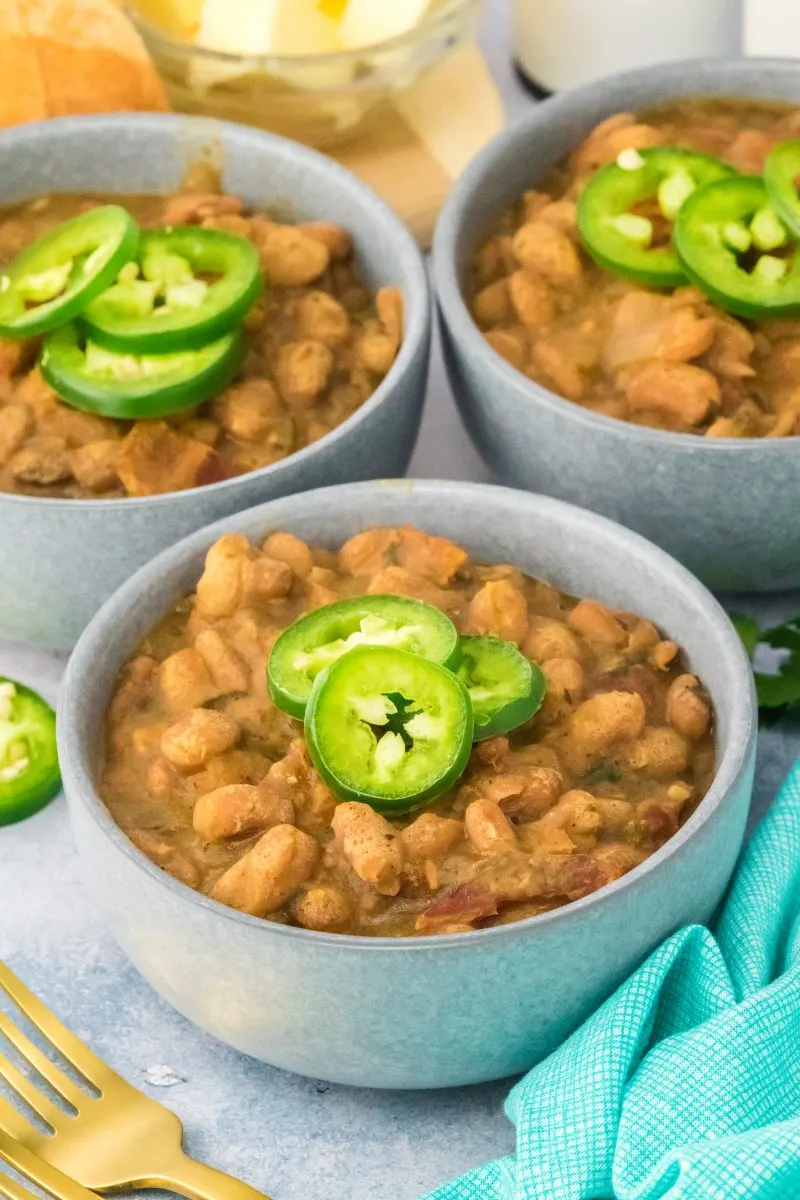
(197, 1181)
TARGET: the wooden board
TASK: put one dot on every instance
(423, 142)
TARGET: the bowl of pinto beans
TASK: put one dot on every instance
(619, 283)
(194, 318)
(410, 774)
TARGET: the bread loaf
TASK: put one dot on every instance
(63, 57)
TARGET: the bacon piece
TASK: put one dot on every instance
(457, 908)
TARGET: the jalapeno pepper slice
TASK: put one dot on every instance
(320, 638)
(388, 728)
(781, 175)
(726, 235)
(624, 242)
(54, 279)
(137, 387)
(505, 687)
(189, 287)
(29, 774)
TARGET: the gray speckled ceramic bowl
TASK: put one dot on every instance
(428, 1011)
(727, 508)
(60, 559)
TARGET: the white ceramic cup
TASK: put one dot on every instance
(561, 44)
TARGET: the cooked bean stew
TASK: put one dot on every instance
(317, 346)
(668, 358)
(214, 784)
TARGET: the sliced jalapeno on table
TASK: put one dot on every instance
(388, 728)
(623, 241)
(190, 287)
(137, 387)
(505, 687)
(56, 277)
(319, 639)
(781, 175)
(726, 235)
(29, 774)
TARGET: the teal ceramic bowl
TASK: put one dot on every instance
(419, 1012)
(725, 507)
(60, 559)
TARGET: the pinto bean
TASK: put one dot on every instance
(397, 581)
(292, 256)
(643, 636)
(677, 391)
(540, 787)
(197, 737)
(286, 548)
(239, 809)
(607, 720)
(253, 410)
(659, 751)
(499, 608)
(376, 350)
(337, 241)
(547, 252)
(266, 876)
(617, 133)
(430, 837)
(492, 305)
(597, 623)
(323, 319)
(303, 370)
(327, 908)
(434, 558)
(192, 208)
(664, 654)
(510, 345)
(564, 678)
(687, 711)
(531, 299)
(367, 552)
(391, 311)
(578, 815)
(16, 422)
(95, 465)
(265, 579)
(488, 828)
(371, 846)
(186, 681)
(219, 589)
(228, 670)
(550, 639)
(42, 460)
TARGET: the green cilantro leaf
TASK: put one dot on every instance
(780, 691)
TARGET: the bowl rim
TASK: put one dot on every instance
(448, 292)
(416, 288)
(429, 26)
(731, 769)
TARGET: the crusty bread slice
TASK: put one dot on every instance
(22, 94)
(72, 56)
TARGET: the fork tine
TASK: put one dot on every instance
(13, 1191)
(46, 1177)
(31, 1094)
(73, 1049)
(13, 1123)
(47, 1069)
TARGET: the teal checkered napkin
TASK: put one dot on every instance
(685, 1085)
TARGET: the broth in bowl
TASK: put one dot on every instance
(217, 784)
(576, 289)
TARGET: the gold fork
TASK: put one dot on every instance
(37, 1171)
(119, 1138)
